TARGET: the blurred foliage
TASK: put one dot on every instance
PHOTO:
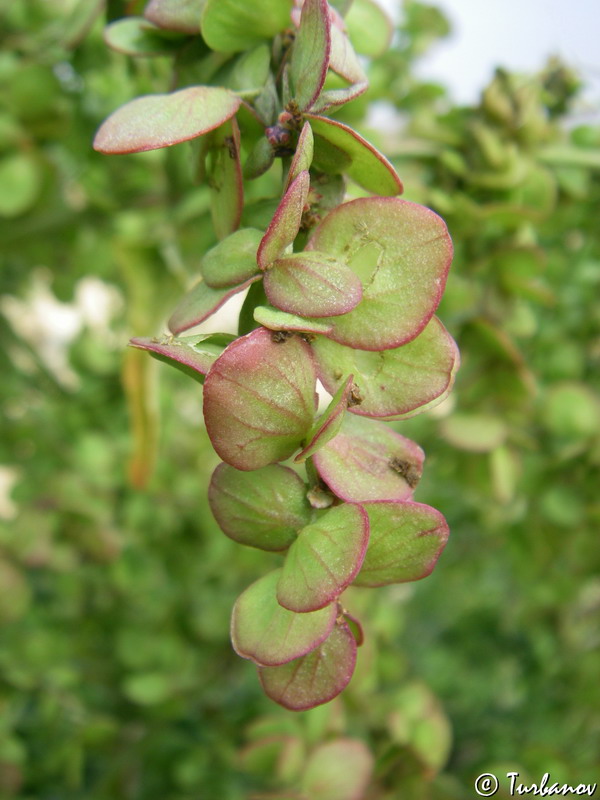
(117, 680)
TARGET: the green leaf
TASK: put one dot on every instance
(329, 423)
(369, 27)
(161, 120)
(224, 178)
(285, 224)
(338, 97)
(259, 399)
(477, 433)
(324, 559)
(303, 156)
(20, 184)
(338, 770)
(368, 167)
(200, 303)
(192, 355)
(369, 461)
(176, 15)
(264, 508)
(233, 260)
(277, 320)
(405, 542)
(401, 252)
(135, 36)
(229, 26)
(270, 635)
(393, 383)
(310, 53)
(250, 71)
(343, 59)
(315, 678)
(312, 284)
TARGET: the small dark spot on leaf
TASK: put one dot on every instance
(337, 374)
(355, 397)
(307, 337)
(406, 470)
(280, 336)
(230, 145)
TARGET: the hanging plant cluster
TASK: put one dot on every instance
(340, 292)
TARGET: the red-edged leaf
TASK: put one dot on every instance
(338, 97)
(303, 156)
(161, 120)
(393, 383)
(405, 543)
(224, 177)
(324, 559)
(368, 167)
(259, 399)
(200, 303)
(338, 770)
(193, 355)
(269, 634)
(264, 508)
(312, 284)
(328, 424)
(343, 58)
(310, 53)
(357, 629)
(369, 461)
(285, 224)
(401, 252)
(277, 320)
(175, 15)
(315, 678)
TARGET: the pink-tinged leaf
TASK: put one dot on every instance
(303, 156)
(224, 177)
(229, 26)
(233, 260)
(369, 461)
(285, 224)
(310, 53)
(393, 383)
(327, 426)
(192, 355)
(259, 399)
(269, 634)
(175, 15)
(355, 626)
(277, 320)
(368, 167)
(134, 36)
(264, 508)
(338, 770)
(312, 284)
(369, 27)
(161, 120)
(324, 559)
(401, 252)
(343, 60)
(405, 543)
(259, 160)
(315, 678)
(338, 97)
(200, 303)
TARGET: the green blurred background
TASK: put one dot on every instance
(117, 679)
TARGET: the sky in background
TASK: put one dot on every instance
(517, 34)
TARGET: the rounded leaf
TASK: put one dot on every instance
(200, 303)
(315, 678)
(268, 634)
(312, 284)
(229, 26)
(259, 399)
(401, 252)
(369, 27)
(175, 15)
(393, 383)
(369, 461)
(264, 508)
(405, 542)
(161, 120)
(192, 355)
(338, 770)
(310, 53)
(135, 36)
(233, 260)
(324, 559)
(277, 320)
